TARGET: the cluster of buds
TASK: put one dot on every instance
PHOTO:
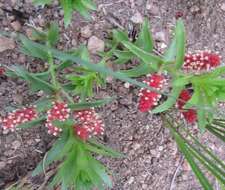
(18, 117)
(201, 61)
(148, 98)
(89, 124)
(189, 115)
(60, 112)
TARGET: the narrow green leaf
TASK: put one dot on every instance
(170, 54)
(101, 171)
(145, 40)
(31, 50)
(110, 151)
(171, 100)
(79, 6)
(52, 153)
(137, 71)
(105, 152)
(123, 54)
(143, 55)
(43, 104)
(30, 124)
(180, 43)
(120, 36)
(94, 67)
(42, 2)
(53, 34)
(89, 4)
(68, 11)
(216, 133)
(185, 150)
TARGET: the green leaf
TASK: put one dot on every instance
(86, 105)
(145, 40)
(217, 133)
(185, 150)
(68, 11)
(42, 2)
(105, 152)
(94, 67)
(170, 54)
(101, 171)
(30, 124)
(35, 82)
(171, 100)
(123, 54)
(137, 71)
(89, 4)
(180, 43)
(28, 49)
(53, 34)
(120, 36)
(182, 81)
(109, 151)
(148, 58)
(79, 6)
(52, 154)
(43, 104)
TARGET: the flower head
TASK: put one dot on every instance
(189, 115)
(59, 111)
(201, 61)
(89, 124)
(18, 117)
(148, 98)
(2, 71)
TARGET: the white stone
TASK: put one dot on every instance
(137, 18)
(6, 44)
(223, 6)
(95, 45)
(85, 32)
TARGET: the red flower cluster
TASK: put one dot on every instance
(148, 98)
(18, 117)
(2, 71)
(88, 124)
(201, 61)
(59, 111)
(189, 115)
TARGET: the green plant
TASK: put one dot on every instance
(81, 6)
(193, 85)
(65, 112)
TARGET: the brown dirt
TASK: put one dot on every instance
(152, 156)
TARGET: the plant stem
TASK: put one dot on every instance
(70, 99)
(52, 70)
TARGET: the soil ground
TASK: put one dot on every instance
(151, 155)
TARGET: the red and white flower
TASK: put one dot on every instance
(89, 124)
(201, 61)
(148, 98)
(59, 111)
(189, 115)
(18, 117)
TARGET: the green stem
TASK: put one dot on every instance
(52, 70)
(70, 99)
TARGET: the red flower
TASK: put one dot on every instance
(189, 115)
(149, 99)
(2, 71)
(18, 117)
(59, 111)
(88, 124)
(201, 61)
